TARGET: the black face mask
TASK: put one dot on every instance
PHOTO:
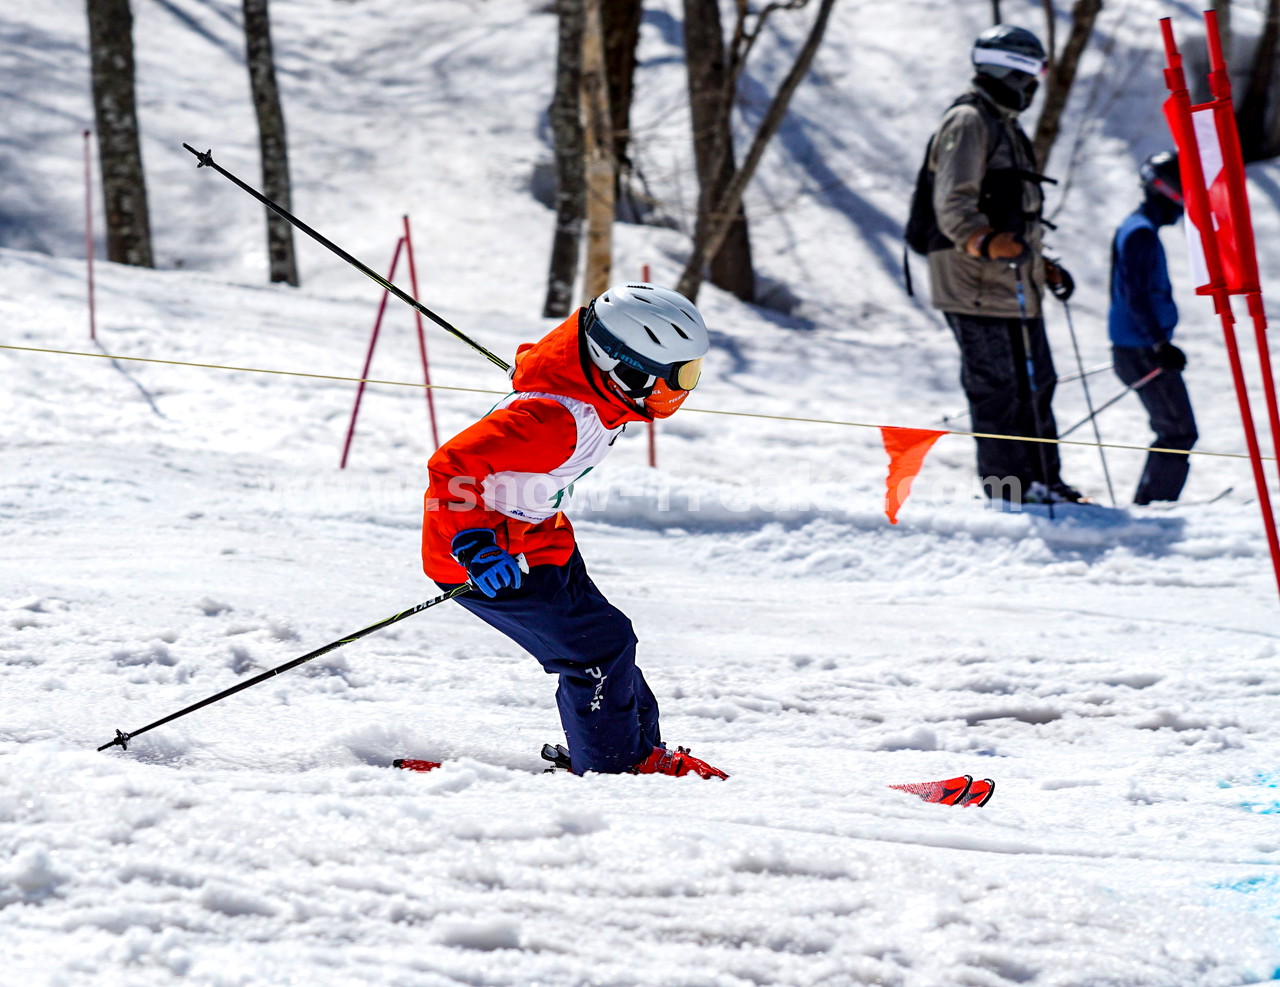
(1014, 92)
(1162, 210)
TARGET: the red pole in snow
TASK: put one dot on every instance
(368, 360)
(1178, 113)
(1243, 277)
(422, 338)
(88, 235)
(653, 426)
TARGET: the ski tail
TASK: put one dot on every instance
(413, 764)
(962, 790)
(557, 755)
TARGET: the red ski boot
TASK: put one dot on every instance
(678, 763)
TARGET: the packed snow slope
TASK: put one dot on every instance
(170, 530)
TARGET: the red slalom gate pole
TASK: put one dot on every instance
(1178, 112)
(1222, 302)
(1246, 279)
(1259, 316)
(653, 426)
(422, 338)
(88, 234)
(368, 359)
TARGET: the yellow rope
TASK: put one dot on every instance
(700, 411)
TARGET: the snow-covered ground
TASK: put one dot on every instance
(168, 531)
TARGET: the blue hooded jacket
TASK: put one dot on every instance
(1143, 312)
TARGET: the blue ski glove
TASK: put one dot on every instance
(490, 567)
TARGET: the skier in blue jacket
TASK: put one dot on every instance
(1141, 322)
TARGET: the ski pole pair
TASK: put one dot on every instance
(1084, 380)
(205, 159)
(122, 738)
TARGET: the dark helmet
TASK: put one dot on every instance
(1160, 176)
(1005, 49)
(1009, 61)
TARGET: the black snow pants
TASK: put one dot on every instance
(994, 367)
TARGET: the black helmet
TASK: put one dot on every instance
(1009, 61)
(1005, 49)
(1160, 176)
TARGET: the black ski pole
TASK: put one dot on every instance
(1032, 389)
(206, 160)
(1068, 378)
(122, 738)
(1140, 382)
(1088, 401)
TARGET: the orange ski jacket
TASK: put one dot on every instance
(510, 470)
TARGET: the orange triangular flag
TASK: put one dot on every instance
(907, 448)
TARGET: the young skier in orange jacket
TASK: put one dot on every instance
(493, 512)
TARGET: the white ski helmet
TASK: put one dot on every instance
(639, 334)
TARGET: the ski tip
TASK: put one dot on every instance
(557, 756)
(980, 792)
(961, 790)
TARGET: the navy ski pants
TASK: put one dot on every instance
(1169, 409)
(608, 712)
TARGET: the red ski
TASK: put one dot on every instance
(954, 791)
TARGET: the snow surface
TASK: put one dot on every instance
(169, 531)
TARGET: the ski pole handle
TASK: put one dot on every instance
(205, 159)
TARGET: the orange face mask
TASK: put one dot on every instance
(664, 400)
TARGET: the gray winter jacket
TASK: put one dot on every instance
(961, 155)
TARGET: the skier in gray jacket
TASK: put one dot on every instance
(987, 268)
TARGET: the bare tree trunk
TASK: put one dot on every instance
(711, 91)
(124, 189)
(1051, 32)
(1257, 141)
(566, 127)
(1083, 15)
(601, 173)
(274, 149)
(726, 208)
(621, 24)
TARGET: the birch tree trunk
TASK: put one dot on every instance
(621, 25)
(1083, 16)
(1262, 95)
(600, 171)
(124, 189)
(711, 85)
(566, 129)
(725, 209)
(1051, 32)
(1223, 9)
(271, 139)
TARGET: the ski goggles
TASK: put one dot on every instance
(635, 370)
(1167, 190)
(1009, 60)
